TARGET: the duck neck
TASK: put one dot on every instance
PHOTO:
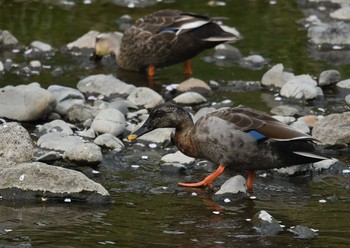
(183, 138)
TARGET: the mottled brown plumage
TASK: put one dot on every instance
(240, 138)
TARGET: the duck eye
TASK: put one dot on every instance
(158, 113)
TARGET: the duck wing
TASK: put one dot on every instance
(247, 120)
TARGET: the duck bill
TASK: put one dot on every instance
(139, 132)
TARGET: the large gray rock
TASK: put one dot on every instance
(333, 129)
(16, 145)
(7, 39)
(109, 121)
(106, 85)
(145, 97)
(59, 141)
(276, 76)
(25, 102)
(88, 40)
(87, 153)
(39, 181)
(335, 33)
(65, 97)
(302, 86)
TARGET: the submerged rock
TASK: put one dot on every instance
(16, 145)
(25, 102)
(303, 232)
(265, 224)
(42, 182)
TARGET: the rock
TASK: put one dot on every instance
(324, 164)
(124, 22)
(16, 146)
(41, 46)
(177, 157)
(25, 102)
(49, 156)
(35, 64)
(84, 153)
(300, 126)
(302, 86)
(189, 98)
(56, 126)
(42, 182)
(87, 133)
(88, 40)
(291, 170)
(233, 185)
(173, 168)
(265, 224)
(59, 141)
(285, 119)
(328, 77)
(333, 129)
(161, 135)
(226, 55)
(341, 14)
(106, 85)
(276, 76)
(194, 84)
(145, 97)
(303, 232)
(120, 105)
(109, 141)
(344, 84)
(284, 110)
(109, 121)
(254, 62)
(335, 33)
(7, 39)
(347, 100)
(80, 113)
(66, 97)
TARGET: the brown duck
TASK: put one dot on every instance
(163, 38)
(241, 138)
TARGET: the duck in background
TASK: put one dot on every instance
(163, 38)
(240, 138)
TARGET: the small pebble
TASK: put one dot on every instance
(322, 201)
(95, 172)
(144, 157)
(67, 200)
(152, 145)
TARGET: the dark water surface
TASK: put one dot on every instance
(149, 210)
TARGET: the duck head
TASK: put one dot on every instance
(165, 115)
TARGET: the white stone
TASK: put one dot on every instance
(177, 157)
(109, 121)
(190, 98)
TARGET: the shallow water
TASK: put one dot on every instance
(148, 208)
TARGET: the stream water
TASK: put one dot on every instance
(148, 209)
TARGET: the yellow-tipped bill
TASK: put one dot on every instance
(132, 137)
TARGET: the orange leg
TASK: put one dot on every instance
(151, 71)
(208, 180)
(250, 179)
(188, 70)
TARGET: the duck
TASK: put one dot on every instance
(161, 39)
(239, 138)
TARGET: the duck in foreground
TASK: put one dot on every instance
(163, 38)
(241, 138)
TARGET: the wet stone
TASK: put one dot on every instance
(109, 141)
(109, 121)
(303, 232)
(329, 77)
(265, 224)
(87, 153)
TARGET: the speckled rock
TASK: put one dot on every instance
(177, 157)
(109, 141)
(106, 85)
(66, 97)
(254, 62)
(87, 153)
(25, 102)
(145, 97)
(189, 98)
(109, 121)
(42, 182)
(333, 129)
(302, 86)
(16, 146)
(276, 76)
